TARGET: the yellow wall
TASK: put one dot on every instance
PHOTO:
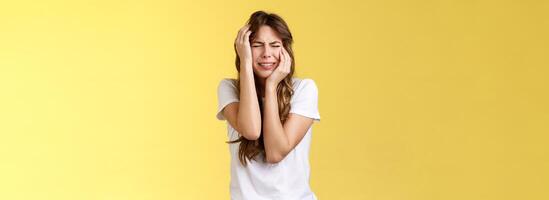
(419, 99)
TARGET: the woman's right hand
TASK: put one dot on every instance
(243, 47)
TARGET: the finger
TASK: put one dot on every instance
(247, 37)
(239, 34)
(243, 29)
(282, 58)
(285, 56)
(243, 33)
(289, 61)
(237, 37)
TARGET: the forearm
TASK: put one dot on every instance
(249, 116)
(275, 140)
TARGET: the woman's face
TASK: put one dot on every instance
(266, 47)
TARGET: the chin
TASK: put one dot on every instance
(263, 73)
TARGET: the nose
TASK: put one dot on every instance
(268, 52)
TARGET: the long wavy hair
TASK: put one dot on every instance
(249, 149)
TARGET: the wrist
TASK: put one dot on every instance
(245, 62)
(246, 74)
(270, 86)
(246, 67)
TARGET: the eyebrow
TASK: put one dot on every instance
(274, 42)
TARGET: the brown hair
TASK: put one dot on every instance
(249, 149)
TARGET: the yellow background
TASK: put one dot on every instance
(419, 99)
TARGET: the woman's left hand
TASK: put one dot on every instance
(282, 70)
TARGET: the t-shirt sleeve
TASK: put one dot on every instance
(226, 93)
(305, 100)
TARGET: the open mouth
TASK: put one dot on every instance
(267, 65)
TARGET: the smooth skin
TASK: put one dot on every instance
(244, 116)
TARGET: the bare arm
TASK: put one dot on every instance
(249, 116)
(280, 139)
(245, 116)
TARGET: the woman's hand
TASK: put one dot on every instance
(282, 70)
(243, 48)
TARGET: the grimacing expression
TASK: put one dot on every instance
(266, 46)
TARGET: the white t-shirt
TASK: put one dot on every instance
(287, 179)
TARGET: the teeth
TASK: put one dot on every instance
(266, 64)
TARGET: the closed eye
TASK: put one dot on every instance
(260, 44)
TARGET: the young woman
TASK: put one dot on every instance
(269, 114)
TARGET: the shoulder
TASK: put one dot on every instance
(227, 88)
(304, 101)
(304, 90)
(305, 84)
(227, 81)
(226, 84)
